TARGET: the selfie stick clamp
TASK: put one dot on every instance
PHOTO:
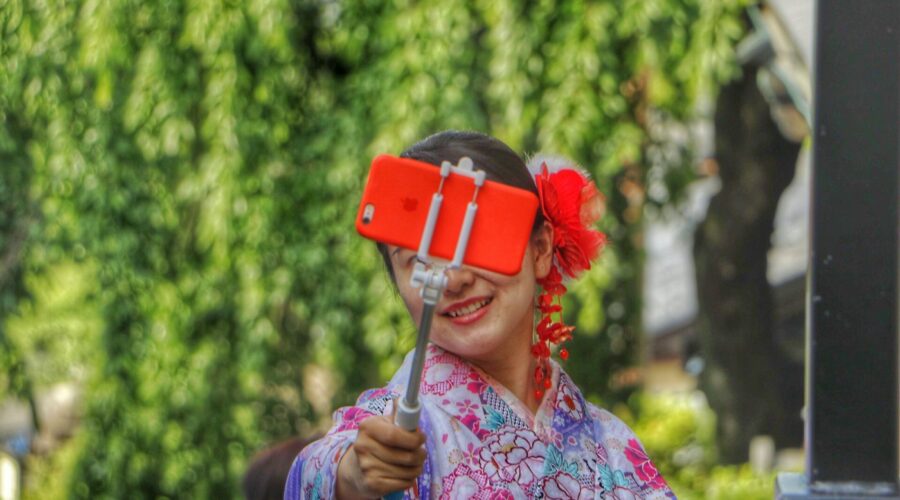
(432, 280)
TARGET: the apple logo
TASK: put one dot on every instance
(410, 204)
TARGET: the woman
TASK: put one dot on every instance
(499, 419)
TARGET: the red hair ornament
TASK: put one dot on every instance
(571, 204)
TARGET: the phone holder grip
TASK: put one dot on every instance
(407, 416)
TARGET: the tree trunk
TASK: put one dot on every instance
(736, 322)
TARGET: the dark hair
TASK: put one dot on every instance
(268, 470)
(499, 162)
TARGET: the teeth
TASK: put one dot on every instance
(469, 309)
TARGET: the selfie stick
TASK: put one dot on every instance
(433, 280)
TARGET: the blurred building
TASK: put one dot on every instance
(781, 38)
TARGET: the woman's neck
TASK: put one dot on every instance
(513, 369)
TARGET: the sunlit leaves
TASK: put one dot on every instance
(196, 163)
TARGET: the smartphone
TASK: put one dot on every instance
(397, 198)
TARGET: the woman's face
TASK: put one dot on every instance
(481, 313)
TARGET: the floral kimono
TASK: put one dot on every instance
(483, 443)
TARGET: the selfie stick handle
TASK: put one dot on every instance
(408, 407)
(432, 282)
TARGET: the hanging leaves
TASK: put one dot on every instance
(199, 162)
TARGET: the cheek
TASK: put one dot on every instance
(408, 294)
(525, 298)
(412, 301)
(519, 295)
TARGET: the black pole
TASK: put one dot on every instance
(851, 374)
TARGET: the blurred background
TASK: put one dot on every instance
(181, 285)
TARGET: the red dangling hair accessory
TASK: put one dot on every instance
(571, 204)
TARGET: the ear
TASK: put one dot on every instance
(542, 247)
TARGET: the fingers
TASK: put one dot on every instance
(365, 477)
(372, 466)
(363, 473)
(386, 458)
(382, 430)
(390, 444)
(392, 456)
(378, 487)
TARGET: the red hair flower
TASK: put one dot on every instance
(571, 204)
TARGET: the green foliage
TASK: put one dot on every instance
(48, 477)
(739, 482)
(678, 432)
(18, 213)
(194, 166)
(58, 324)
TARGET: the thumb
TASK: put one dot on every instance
(394, 403)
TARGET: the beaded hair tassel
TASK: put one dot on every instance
(571, 204)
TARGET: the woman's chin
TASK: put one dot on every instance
(470, 347)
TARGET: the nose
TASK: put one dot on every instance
(458, 280)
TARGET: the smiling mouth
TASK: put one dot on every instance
(468, 309)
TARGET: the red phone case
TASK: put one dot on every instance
(398, 195)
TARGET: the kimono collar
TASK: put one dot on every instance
(460, 389)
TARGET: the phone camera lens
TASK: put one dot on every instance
(368, 212)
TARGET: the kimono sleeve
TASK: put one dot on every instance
(314, 471)
(628, 465)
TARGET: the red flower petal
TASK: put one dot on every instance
(571, 203)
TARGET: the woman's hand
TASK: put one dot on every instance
(384, 459)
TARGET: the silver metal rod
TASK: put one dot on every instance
(418, 363)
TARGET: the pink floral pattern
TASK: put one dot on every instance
(512, 455)
(469, 482)
(644, 469)
(476, 384)
(569, 402)
(469, 455)
(563, 486)
(484, 443)
(466, 406)
(602, 456)
(473, 422)
(443, 372)
(352, 417)
(554, 437)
